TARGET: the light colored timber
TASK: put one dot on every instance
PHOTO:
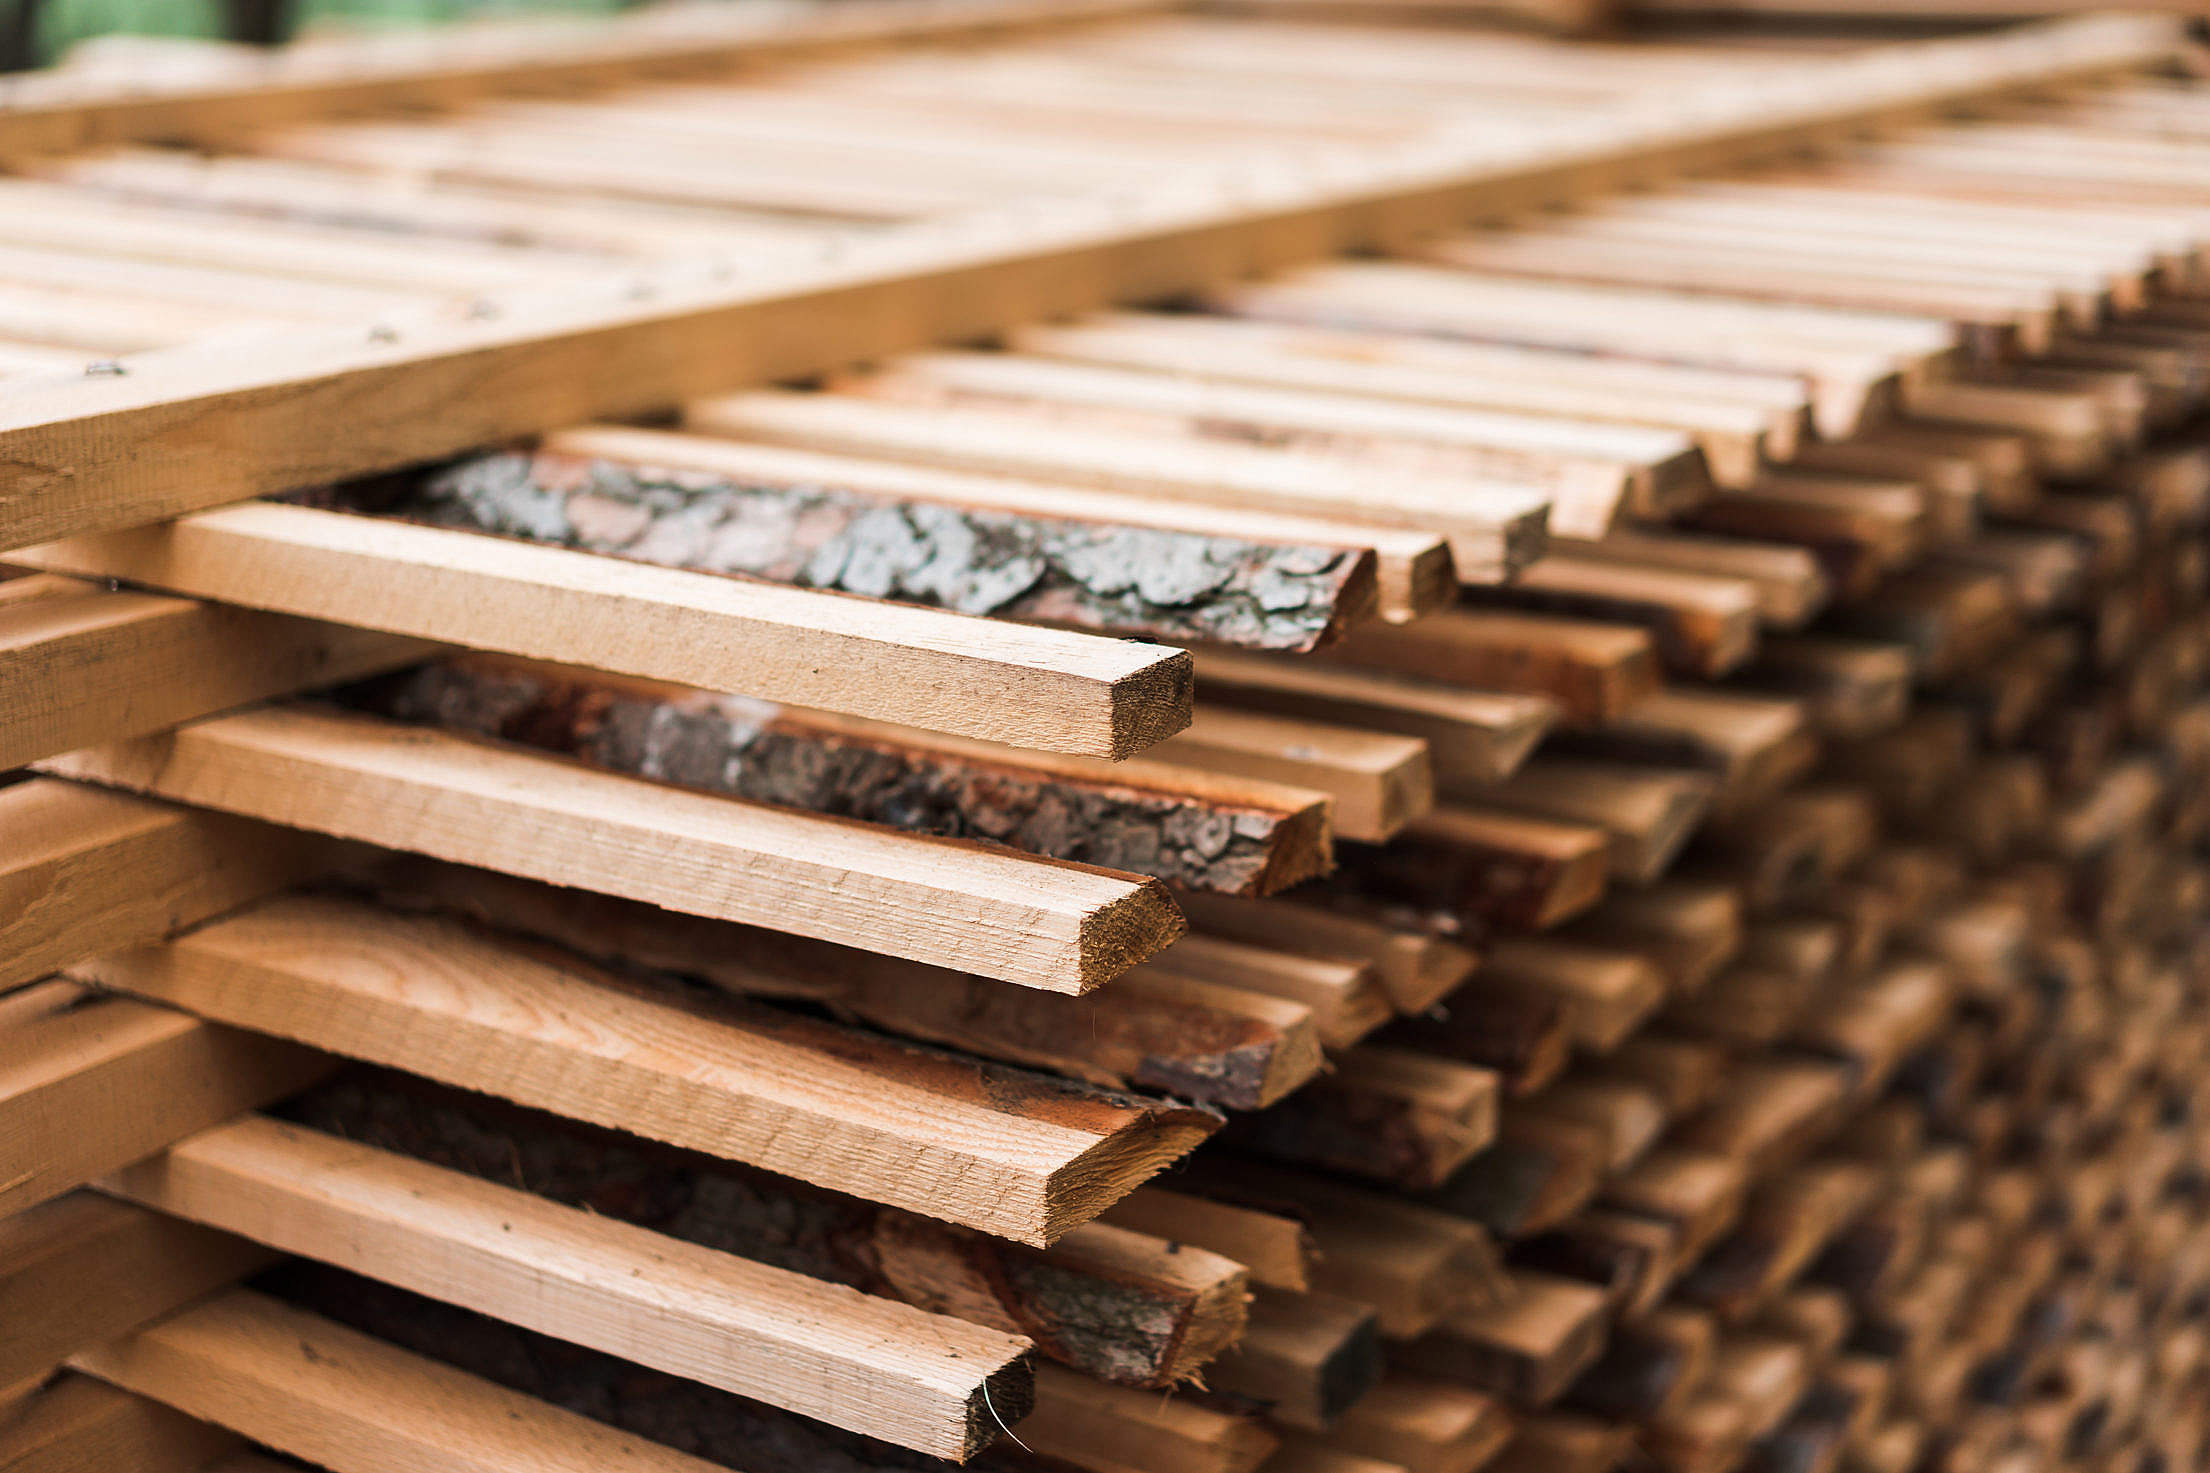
(868, 1364)
(1790, 586)
(82, 1269)
(1278, 1251)
(1492, 528)
(1413, 568)
(1471, 735)
(63, 112)
(91, 666)
(1704, 623)
(84, 871)
(1594, 671)
(1041, 923)
(1152, 1029)
(1020, 1156)
(1720, 412)
(79, 1425)
(1345, 994)
(1378, 782)
(353, 1404)
(90, 1083)
(923, 667)
(1593, 469)
(109, 452)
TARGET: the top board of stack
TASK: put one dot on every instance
(1107, 738)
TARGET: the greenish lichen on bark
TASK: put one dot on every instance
(757, 750)
(1119, 578)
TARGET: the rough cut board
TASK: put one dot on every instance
(1053, 924)
(55, 113)
(1014, 1154)
(117, 450)
(1028, 687)
(873, 1365)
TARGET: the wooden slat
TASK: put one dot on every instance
(873, 1365)
(924, 667)
(91, 1083)
(54, 114)
(114, 451)
(91, 666)
(1043, 923)
(1378, 782)
(85, 871)
(82, 1269)
(1017, 1155)
(353, 1404)
(79, 1425)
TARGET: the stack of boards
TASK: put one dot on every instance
(1097, 739)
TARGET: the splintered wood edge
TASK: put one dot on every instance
(111, 452)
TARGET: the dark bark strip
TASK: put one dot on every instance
(1130, 1034)
(773, 754)
(1122, 579)
(1081, 1302)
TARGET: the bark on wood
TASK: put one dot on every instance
(1213, 1045)
(1128, 580)
(1091, 1301)
(752, 749)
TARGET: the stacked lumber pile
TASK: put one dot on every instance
(627, 915)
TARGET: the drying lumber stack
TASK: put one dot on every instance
(1097, 740)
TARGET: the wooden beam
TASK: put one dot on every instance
(1416, 968)
(924, 667)
(1013, 1154)
(90, 1083)
(919, 1380)
(1224, 1046)
(60, 113)
(353, 1404)
(79, 1425)
(1385, 1114)
(977, 544)
(1116, 1303)
(82, 666)
(115, 451)
(1594, 671)
(1305, 1359)
(1236, 832)
(1091, 1425)
(1377, 781)
(86, 871)
(80, 1270)
(1041, 923)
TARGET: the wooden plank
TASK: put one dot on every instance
(1704, 623)
(976, 544)
(353, 1404)
(55, 114)
(1493, 528)
(1241, 832)
(1042, 923)
(1471, 735)
(91, 1083)
(86, 871)
(1031, 687)
(111, 452)
(80, 1270)
(1305, 1359)
(1277, 1250)
(1094, 1426)
(79, 1425)
(1118, 1304)
(1486, 865)
(872, 1365)
(1014, 1154)
(1650, 812)
(1526, 1349)
(1219, 1045)
(1385, 1114)
(1377, 782)
(1416, 968)
(1425, 1425)
(1593, 671)
(93, 666)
